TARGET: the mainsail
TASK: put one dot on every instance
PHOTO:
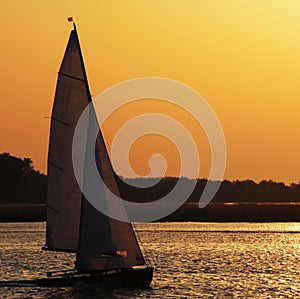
(64, 195)
(73, 224)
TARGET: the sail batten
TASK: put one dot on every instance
(60, 121)
(69, 76)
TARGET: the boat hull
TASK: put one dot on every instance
(140, 277)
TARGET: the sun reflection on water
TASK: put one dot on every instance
(192, 260)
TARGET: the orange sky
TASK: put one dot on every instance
(242, 56)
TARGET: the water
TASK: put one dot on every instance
(192, 260)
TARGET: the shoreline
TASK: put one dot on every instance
(29, 212)
(213, 212)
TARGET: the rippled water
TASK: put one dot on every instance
(192, 260)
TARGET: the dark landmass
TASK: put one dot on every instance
(22, 212)
(235, 191)
(238, 212)
(23, 196)
(214, 212)
(20, 183)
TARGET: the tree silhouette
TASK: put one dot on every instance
(19, 181)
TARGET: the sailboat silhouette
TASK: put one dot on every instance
(107, 250)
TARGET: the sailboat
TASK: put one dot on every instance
(107, 250)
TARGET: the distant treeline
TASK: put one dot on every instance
(235, 191)
(21, 183)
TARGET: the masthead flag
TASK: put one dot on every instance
(70, 19)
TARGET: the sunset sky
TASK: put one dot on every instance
(243, 57)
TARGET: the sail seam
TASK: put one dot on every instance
(70, 76)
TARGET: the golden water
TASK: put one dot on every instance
(192, 260)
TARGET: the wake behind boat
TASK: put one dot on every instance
(107, 250)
